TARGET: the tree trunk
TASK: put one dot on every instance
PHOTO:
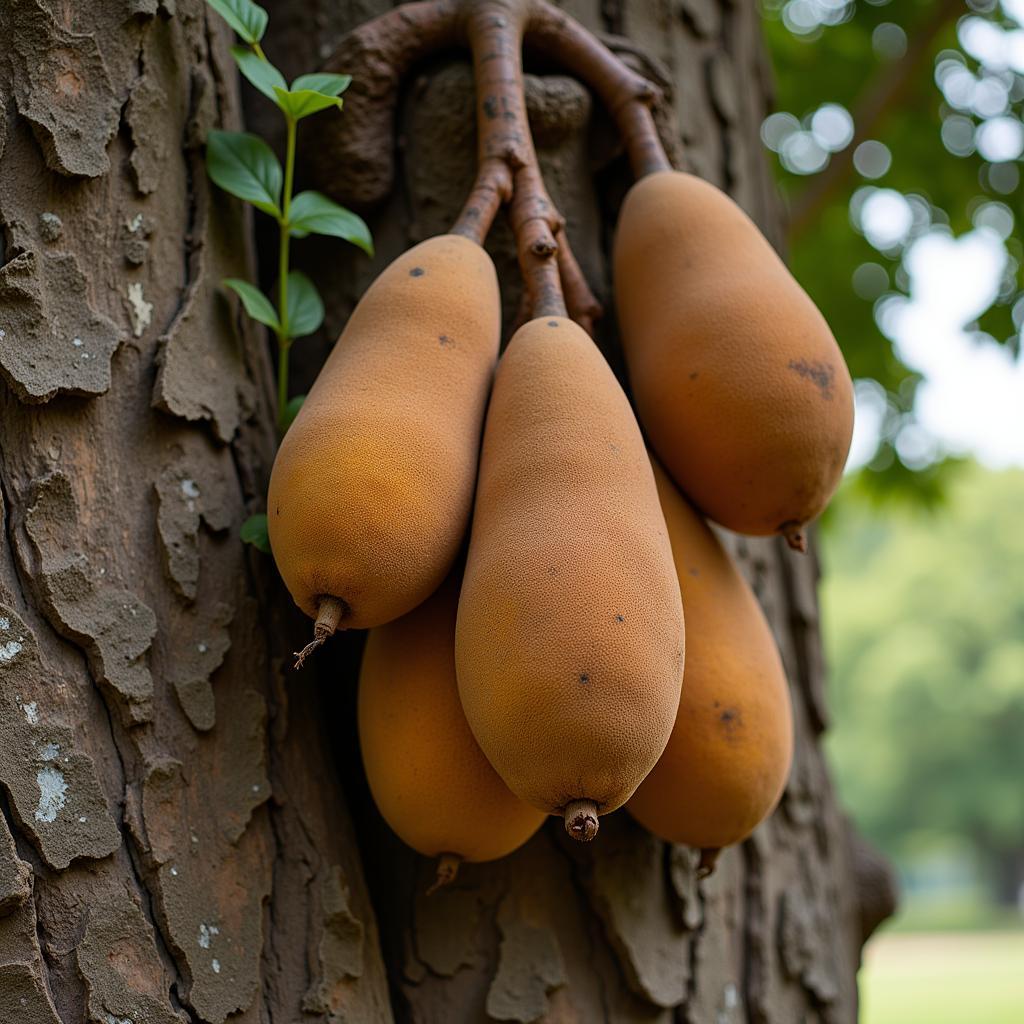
(176, 843)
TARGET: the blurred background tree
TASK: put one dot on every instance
(927, 664)
(898, 139)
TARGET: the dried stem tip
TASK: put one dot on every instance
(581, 820)
(795, 536)
(708, 860)
(447, 869)
(330, 612)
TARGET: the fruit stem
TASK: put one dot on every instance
(795, 536)
(330, 612)
(708, 859)
(581, 820)
(447, 869)
(627, 95)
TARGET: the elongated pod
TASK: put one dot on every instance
(729, 755)
(428, 776)
(739, 383)
(372, 488)
(569, 643)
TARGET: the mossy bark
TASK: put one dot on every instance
(185, 831)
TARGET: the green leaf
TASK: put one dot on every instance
(322, 82)
(313, 213)
(304, 102)
(291, 410)
(256, 304)
(254, 532)
(305, 307)
(245, 166)
(249, 20)
(260, 72)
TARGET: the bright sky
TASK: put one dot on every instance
(971, 400)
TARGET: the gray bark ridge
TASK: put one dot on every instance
(174, 840)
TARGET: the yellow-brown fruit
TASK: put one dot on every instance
(739, 383)
(373, 485)
(728, 759)
(427, 774)
(569, 644)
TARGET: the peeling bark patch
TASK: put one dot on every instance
(529, 967)
(213, 871)
(140, 310)
(51, 227)
(627, 890)
(145, 116)
(340, 953)
(24, 998)
(200, 372)
(55, 793)
(188, 491)
(683, 876)
(118, 960)
(195, 661)
(15, 874)
(113, 626)
(51, 340)
(62, 88)
(804, 944)
(446, 926)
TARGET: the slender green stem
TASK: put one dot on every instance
(258, 50)
(284, 339)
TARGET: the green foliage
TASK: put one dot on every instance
(246, 18)
(244, 165)
(255, 303)
(254, 532)
(305, 307)
(259, 71)
(299, 103)
(924, 628)
(292, 409)
(313, 213)
(885, 63)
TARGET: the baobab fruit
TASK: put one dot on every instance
(372, 488)
(729, 755)
(739, 383)
(429, 778)
(569, 644)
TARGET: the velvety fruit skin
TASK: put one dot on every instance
(429, 779)
(728, 759)
(739, 383)
(373, 485)
(569, 645)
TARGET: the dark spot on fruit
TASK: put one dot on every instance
(584, 678)
(417, 272)
(277, 510)
(716, 704)
(820, 374)
(693, 572)
(445, 340)
(694, 375)
(552, 323)
(731, 722)
(620, 618)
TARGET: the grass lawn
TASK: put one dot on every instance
(943, 978)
